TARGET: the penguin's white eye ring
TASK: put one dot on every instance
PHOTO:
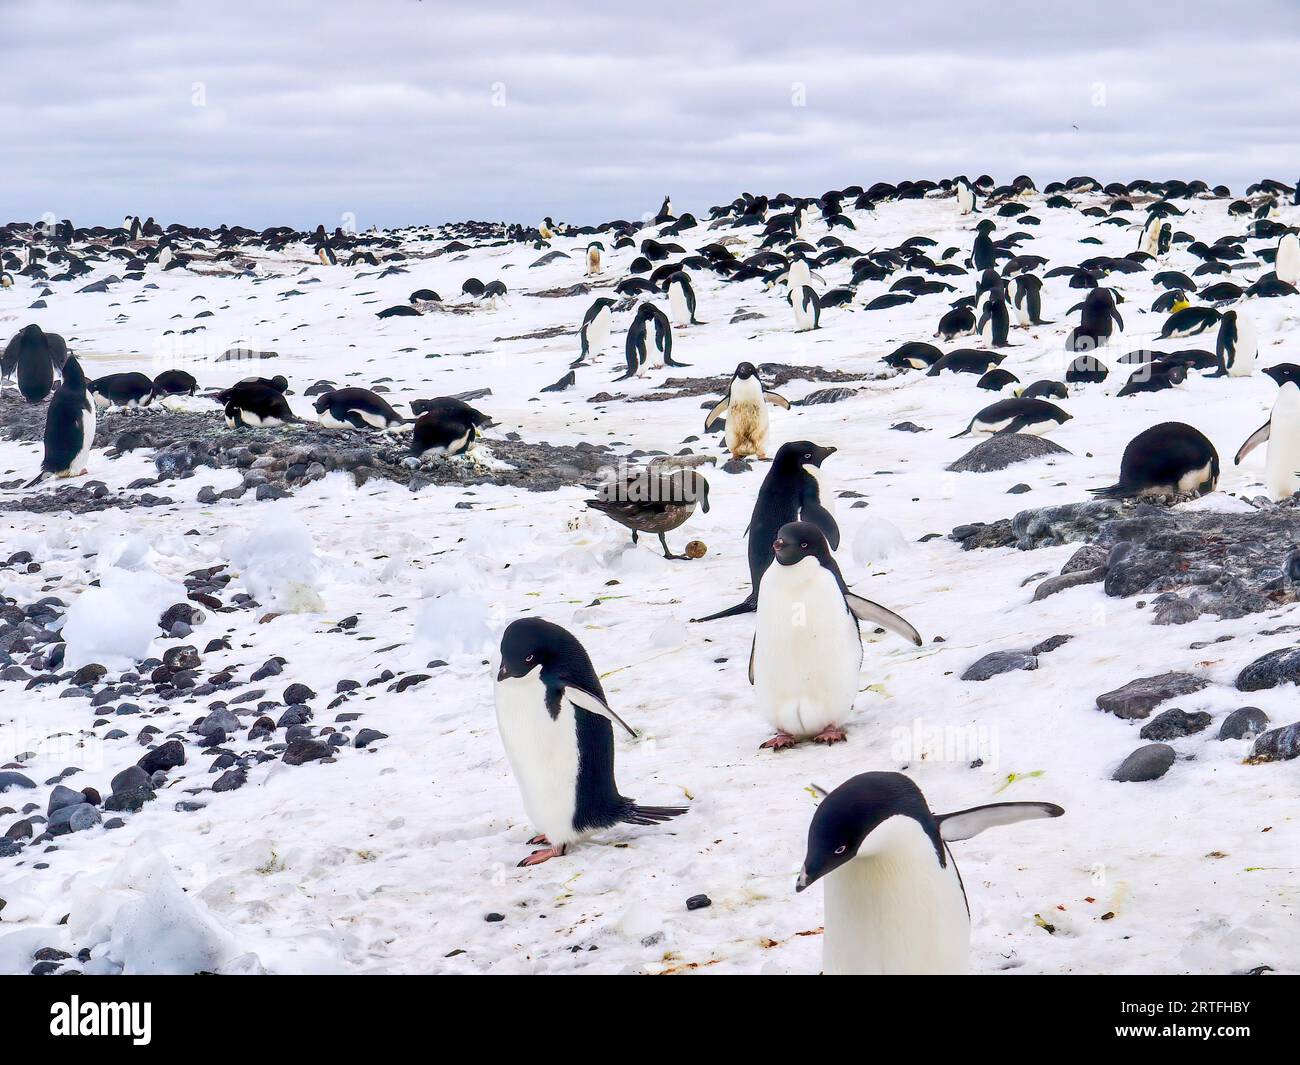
(841, 848)
(529, 658)
(804, 546)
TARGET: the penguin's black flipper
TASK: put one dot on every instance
(670, 361)
(747, 607)
(650, 815)
(1013, 426)
(813, 511)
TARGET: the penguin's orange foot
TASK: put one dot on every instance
(537, 857)
(779, 742)
(539, 840)
(831, 734)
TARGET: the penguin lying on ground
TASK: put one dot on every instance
(355, 408)
(791, 491)
(1170, 461)
(1017, 415)
(445, 426)
(745, 409)
(175, 383)
(69, 427)
(895, 903)
(555, 725)
(807, 651)
(121, 391)
(252, 404)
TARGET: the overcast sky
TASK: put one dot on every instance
(397, 111)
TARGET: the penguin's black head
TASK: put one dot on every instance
(528, 643)
(1284, 373)
(322, 401)
(745, 371)
(986, 226)
(803, 453)
(850, 813)
(797, 540)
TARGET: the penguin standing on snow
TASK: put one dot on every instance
(965, 196)
(650, 331)
(1097, 320)
(994, 323)
(6, 279)
(1282, 434)
(807, 650)
(745, 409)
(807, 308)
(895, 902)
(1027, 298)
(983, 255)
(555, 725)
(355, 408)
(1237, 345)
(594, 251)
(594, 333)
(33, 355)
(681, 299)
(791, 491)
(69, 427)
(665, 211)
(1167, 461)
(1287, 264)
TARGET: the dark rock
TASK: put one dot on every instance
(306, 751)
(1138, 698)
(1277, 745)
(75, 818)
(699, 902)
(130, 778)
(129, 800)
(1050, 644)
(1242, 723)
(1146, 763)
(368, 736)
(297, 694)
(1000, 662)
(1003, 450)
(1277, 667)
(1173, 723)
(164, 757)
(184, 657)
(10, 779)
(231, 779)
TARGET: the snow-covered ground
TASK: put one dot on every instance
(390, 858)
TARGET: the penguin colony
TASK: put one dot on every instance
(894, 900)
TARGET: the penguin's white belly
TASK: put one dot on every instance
(593, 261)
(88, 423)
(1287, 265)
(807, 652)
(1243, 358)
(896, 913)
(1190, 481)
(598, 333)
(1022, 311)
(1282, 464)
(677, 304)
(543, 753)
(328, 420)
(803, 319)
(372, 418)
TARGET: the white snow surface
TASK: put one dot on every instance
(388, 859)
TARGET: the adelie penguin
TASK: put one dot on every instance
(965, 196)
(175, 383)
(1169, 461)
(1189, 322)
(807, 649)
(895, 903)
(807, 308)
(255, 405)
(958, 322)
(791, 491)
(1237, 345)
(355, 408)
(1154, 377)
(594, 333)
(594, 251)
(446, 426)
(1282, 434)
(1286, 265)
(33, 355)
(681, 299)
(1017, 415)
(121, 391)
(994, 325)
(1027, 299)
(69, 427)
(983, 254)
(650, 332)
(1097, 321)
(745, 409)
(557, 729)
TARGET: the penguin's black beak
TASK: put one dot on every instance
(777, 544)
(502, 673)
(802, 882)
